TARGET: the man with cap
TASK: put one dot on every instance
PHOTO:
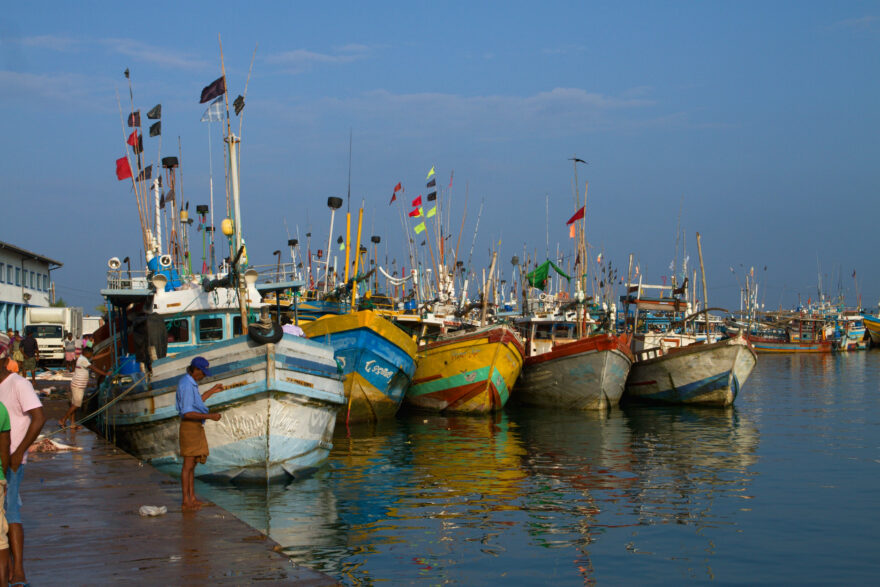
(26, 419)
(193, 413)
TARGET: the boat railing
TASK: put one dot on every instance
(125, 279)
(277, 273)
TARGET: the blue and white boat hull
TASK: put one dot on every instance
(278, 410)
(701, 374)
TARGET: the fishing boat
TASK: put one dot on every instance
(280, 393)
(563, 370)
(872, 325)
(798, 333)
(852, 332)
(698, 373)
(468, 371)
(377, 360)
(673, 366)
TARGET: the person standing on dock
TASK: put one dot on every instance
(78, 387)
(26, 420)
(4, 459)
(193, 413)
(31, 352)
(69, 352)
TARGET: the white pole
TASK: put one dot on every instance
(233, 179)
(156, 196)
(329, 238)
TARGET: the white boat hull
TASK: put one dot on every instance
(278, 410)
(703, 374)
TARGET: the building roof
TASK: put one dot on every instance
(29, 254)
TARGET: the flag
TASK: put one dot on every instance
(132, 139)
(415, 213)
(432, 196)
(538, 277)
(214, 89)
(423, 243)
(431, 212)
(577, 215)
(162, 206)
(420, 227)
(155, 112)
(430, 173)
(156, 129)
(146, 173)
(126, 73)
(169, 162)
(169, 195)
(134, 119)
(417, 201)
(854, 273)
(398, 187)
(213, 113)
(431, 183)
(599, 258)
(123, 169)
(393, 197)
(571, 231)
(450, 178)
(238, 104)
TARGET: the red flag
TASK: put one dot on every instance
(577, 215)
(417, 201)
(416, 213)
(450, 178)
(123, 169)
(393, 197)
(133, 139)
(398, 187)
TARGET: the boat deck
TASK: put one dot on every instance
(82, 527)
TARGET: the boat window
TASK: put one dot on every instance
(236, 325)
(178, 330)
(544, 331)
(210, 329)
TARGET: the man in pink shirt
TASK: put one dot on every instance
(26, 420)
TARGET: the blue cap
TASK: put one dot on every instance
(201, 363)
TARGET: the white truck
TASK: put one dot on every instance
(91, 324)
(50, 327)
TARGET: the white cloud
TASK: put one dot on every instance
(300, 60)
(50, 42)
(860, 24)
(151, 54)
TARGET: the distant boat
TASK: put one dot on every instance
(467, 371)
(377, 360)
(799, 334)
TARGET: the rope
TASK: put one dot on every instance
(99, 410)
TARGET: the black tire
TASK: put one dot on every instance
(260, 336)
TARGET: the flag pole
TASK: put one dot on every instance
(133, 183)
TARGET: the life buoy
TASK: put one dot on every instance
(543, 297)
(260, 336)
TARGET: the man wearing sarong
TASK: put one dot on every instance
(193, 413)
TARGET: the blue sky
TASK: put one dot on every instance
(759, 119)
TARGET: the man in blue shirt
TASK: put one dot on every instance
(193, 413)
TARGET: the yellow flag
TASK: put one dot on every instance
(571, 230)
(430, 173)
(420, 227)
(431, 212)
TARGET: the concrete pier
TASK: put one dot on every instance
(82, 527)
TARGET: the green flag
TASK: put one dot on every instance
(538, 277)
(419, 227)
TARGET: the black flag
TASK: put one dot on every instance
(162, 202)
(169, 195)
(238, 104)
(432, 196)
(155, 113)
(134, 119)
(169, 162)
(126, 73)
(139, 148)
(156, 129)
(146, 173)
(214, 89)
(432, 183)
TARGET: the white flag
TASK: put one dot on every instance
(213, 113)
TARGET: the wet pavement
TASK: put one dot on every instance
(82, 526)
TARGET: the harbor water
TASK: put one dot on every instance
(780, 488)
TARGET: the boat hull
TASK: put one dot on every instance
(872, 325)
(763, 345)
(278, 410)
(699, 374)
(377, 360)
(587, 374)
(467, 373)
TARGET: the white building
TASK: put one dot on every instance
(24, 281)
